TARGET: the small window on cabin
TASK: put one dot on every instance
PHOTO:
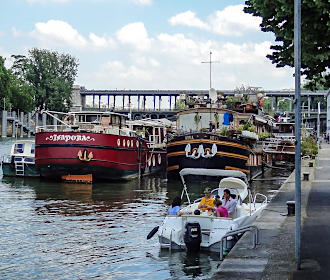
(123, 121)
(91, 118)
(19, 149)
(32, 148)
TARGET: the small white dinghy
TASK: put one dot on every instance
(204, 231)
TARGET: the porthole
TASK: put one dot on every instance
(128, 143)
(124, 143)
(159, 159)
(153, 160)
(118, 142)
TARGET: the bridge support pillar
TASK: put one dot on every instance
(139, 102)
(170, 101)
(44, 120)
(93, 100)
(309, 106)
(154, 102)
(36, 121)
(123, 101)
(4, 124)
(55, 121)
(28, 124)
(21, 121)
(99, 101)
(175, 97)
(13, 125)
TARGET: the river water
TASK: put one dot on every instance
(52, 230)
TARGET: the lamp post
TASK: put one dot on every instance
(297, 64)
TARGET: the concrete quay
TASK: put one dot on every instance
(274, 258)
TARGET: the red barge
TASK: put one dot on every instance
(99, 146)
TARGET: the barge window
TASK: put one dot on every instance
(32, 148)
(19, 149)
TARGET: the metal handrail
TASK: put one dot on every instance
(255, 198)
(251, 228)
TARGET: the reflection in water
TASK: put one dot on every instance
(182, 264)
(52, 230)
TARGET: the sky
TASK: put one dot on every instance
(147, 44)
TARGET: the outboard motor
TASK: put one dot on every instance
(193, 237)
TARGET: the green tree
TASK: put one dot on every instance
(22, 95)
(51, 75)
(278, 17)
(4, 85)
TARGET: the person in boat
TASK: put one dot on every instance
(175, 206)
(207, 202)
(220, 211)
(229, 202)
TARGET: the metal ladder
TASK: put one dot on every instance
(251, 228)
(19, 168)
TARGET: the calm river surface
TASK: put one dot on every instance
(52, 230)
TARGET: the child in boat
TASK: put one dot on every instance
(220, 211)
(175, 206)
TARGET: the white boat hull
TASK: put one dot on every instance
(171, 232)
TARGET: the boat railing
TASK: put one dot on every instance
(264, 202)
(251, 228)
(277, 144)
(85, 127)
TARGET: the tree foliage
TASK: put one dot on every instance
(50, 74)
(278, 17)
(4, 85)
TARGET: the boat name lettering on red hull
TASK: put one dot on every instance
(66, 138)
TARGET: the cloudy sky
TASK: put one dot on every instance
(147, 44)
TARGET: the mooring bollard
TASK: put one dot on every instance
(306, 176)
(291, 208)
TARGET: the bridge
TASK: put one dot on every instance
(119, 98)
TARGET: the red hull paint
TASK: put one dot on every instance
(92, 151)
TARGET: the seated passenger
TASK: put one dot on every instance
(220, 210)
(197, 212)
(229, 202)
(175, 206)
(207, 201)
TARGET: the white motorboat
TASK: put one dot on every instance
(205, 231)
(21, 161)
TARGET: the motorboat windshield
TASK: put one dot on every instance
(234, 180)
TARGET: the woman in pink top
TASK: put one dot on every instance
(220, 210)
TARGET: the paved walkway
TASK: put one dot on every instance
(274, 258)
(315, 242)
